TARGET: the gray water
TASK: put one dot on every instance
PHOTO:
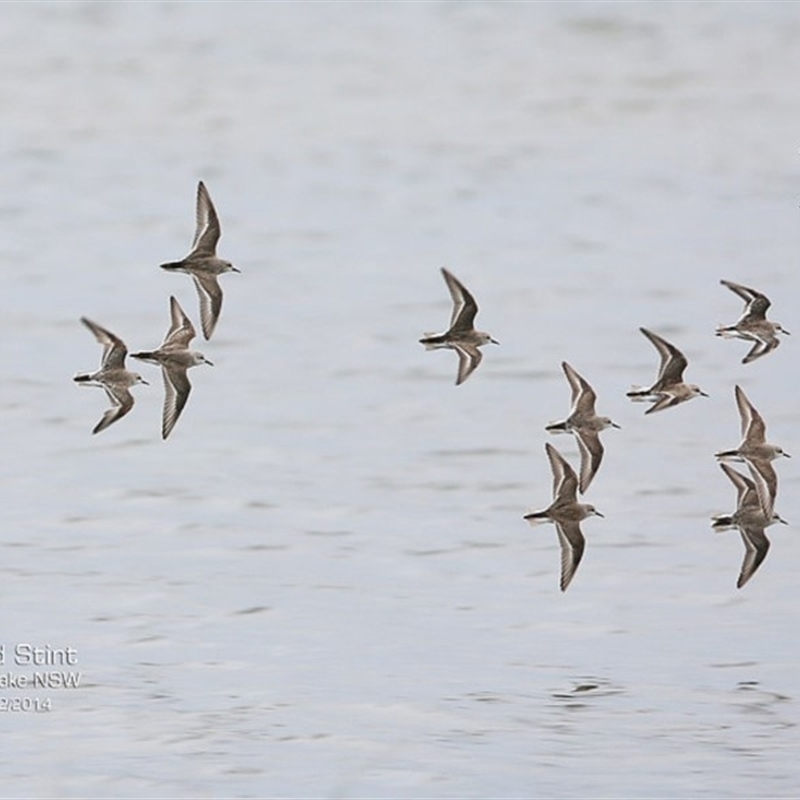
(321, 584)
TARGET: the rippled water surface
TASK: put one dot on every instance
(321, 584)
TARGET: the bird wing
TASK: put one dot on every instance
(591, 455)
(673, 362)
(468, 359)
(761, 348)
(583, 396)
(754, 430)
(207, 228)
(756, 546)
(745, 488)
(565, 482)
(121, 403)
(744, 292)
(756, 303)
(464, 306)
(572, 544)
(766, 483)
(176, 393)
(114, 349)
(210, 294)
(181, 331)
(665, 400)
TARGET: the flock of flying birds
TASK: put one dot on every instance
(755, 506)
(174, 356)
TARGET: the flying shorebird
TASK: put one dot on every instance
(584, 424)
(750, 519)
(112, 375)
(756, 452)
(566, 512)
(753, 325)
(202, 262)
(175, 357)
(461, 336)
(669, 389)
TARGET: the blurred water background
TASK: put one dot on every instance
(321, 584)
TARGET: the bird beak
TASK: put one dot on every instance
(704, 394)
(598, 514)
(235, 269)
(210, 363)
(493, 341)
(787, 455)
(614, 425)
(146, 383)
(782, 520)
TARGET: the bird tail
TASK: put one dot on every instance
(432, 340)
(172, 265)
(722, 522)
(84, 378)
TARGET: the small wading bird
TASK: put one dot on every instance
(751, 521)
(202, 262)
(175, 357)
(461, 336)
(566, 512)
(584, 424)
(669, 389)
(753, 325)
(112, 375)
(756, 452)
